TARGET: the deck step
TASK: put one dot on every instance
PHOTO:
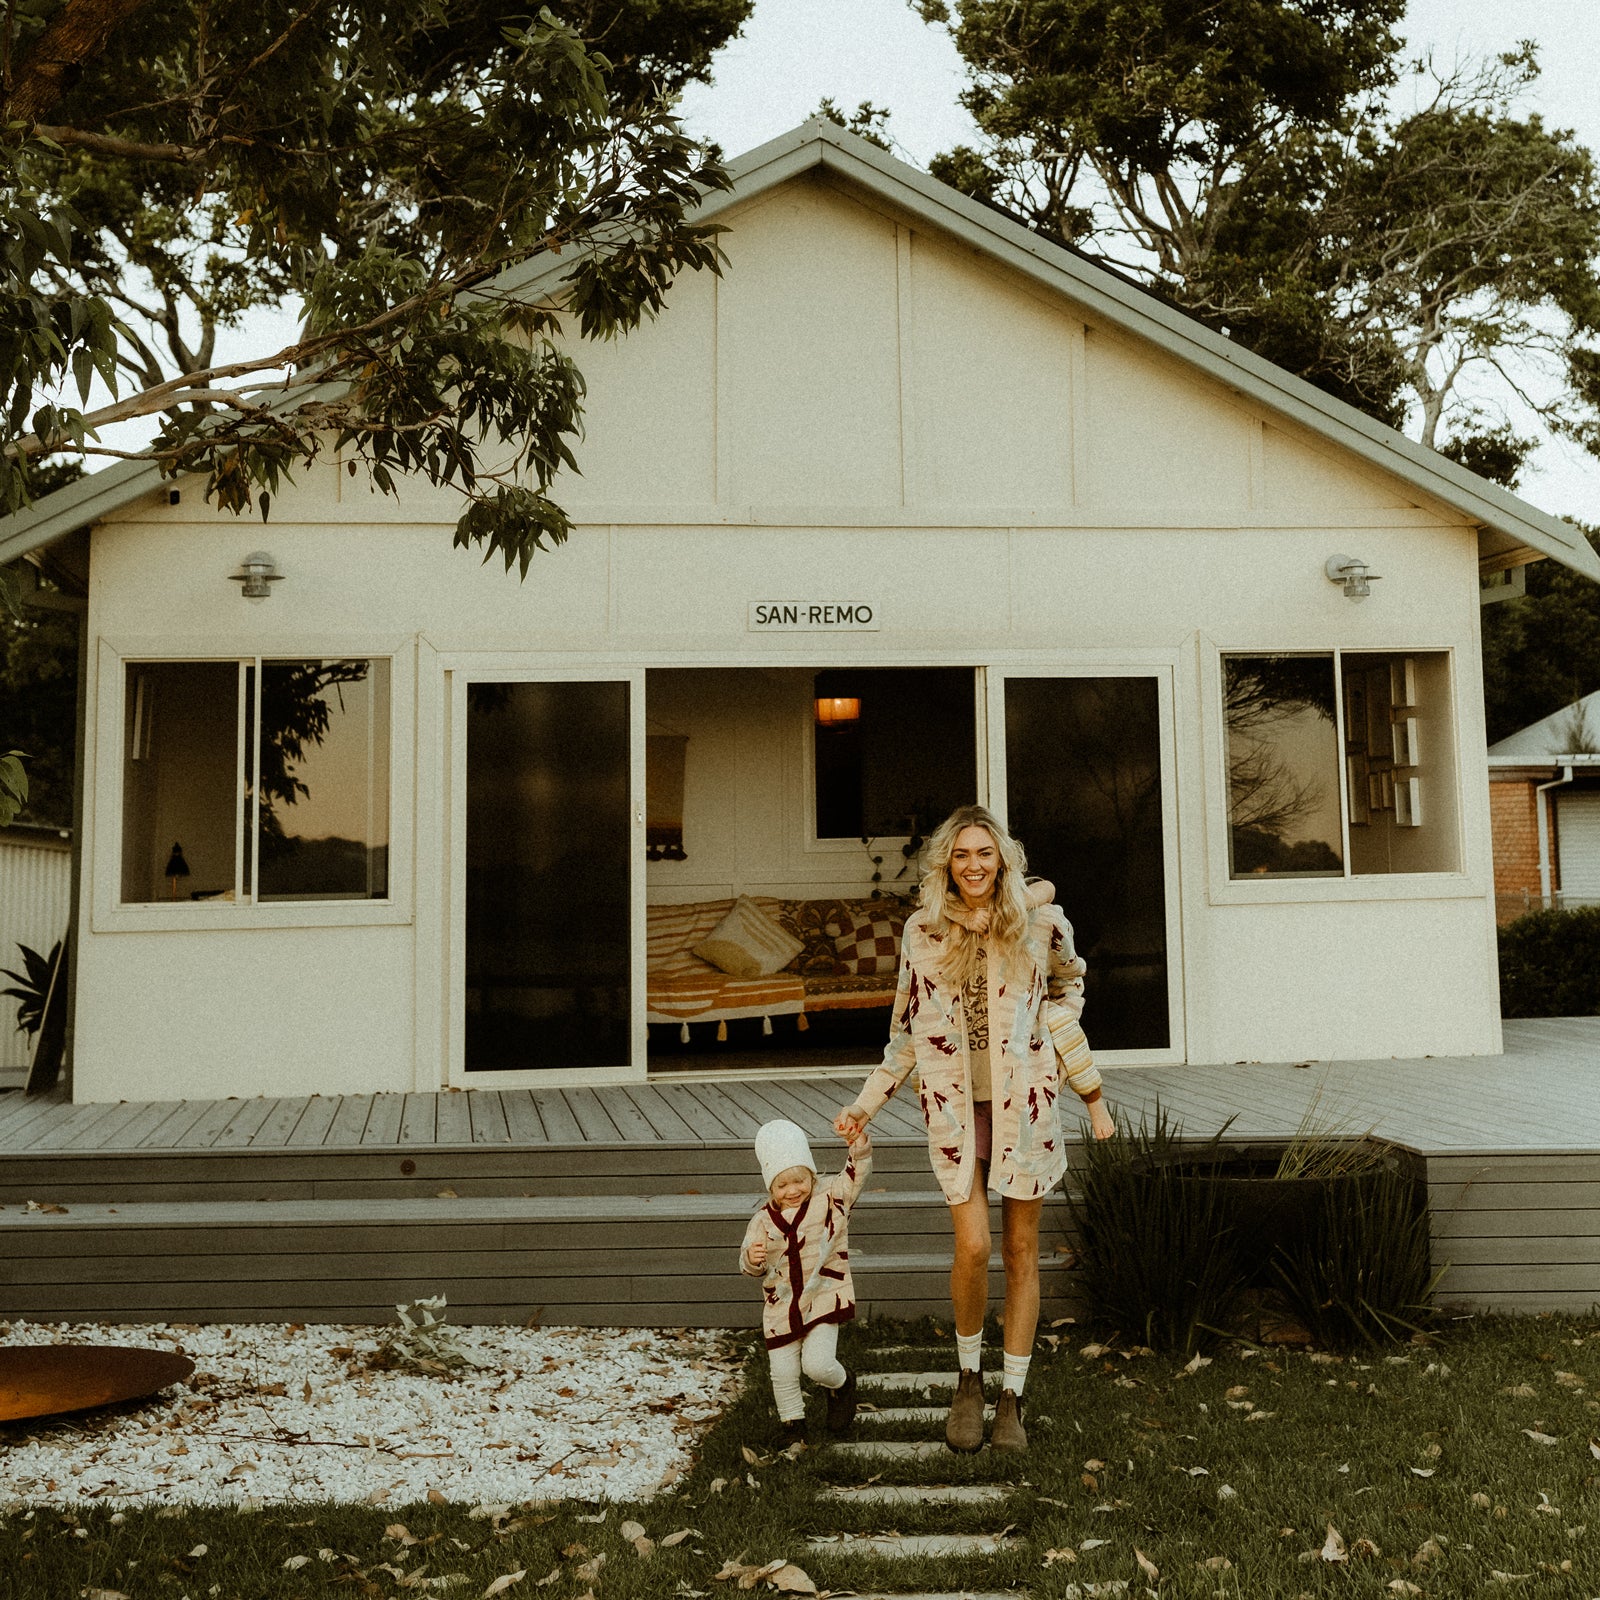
(900, 1546)
(901, 1494)
(625, 1260)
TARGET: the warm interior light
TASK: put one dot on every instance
(834, 709)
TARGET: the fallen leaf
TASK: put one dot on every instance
(400, 1533)
(1482, 1501)
(1541, 1438)
(1428, 1550)
(504, 1582)
(1365, 1547)
(1237, 1392)
(294, 1563)
(789, 1579)
(198, 1551)
(1523, 1391)
(1094, 1464)
(1594, 1448)
(1569, 1380)
(589, 1572)
(1497, 1576)
(1093, 1351)
(436, 1498)
(1091, 1544)
(1423, 1472)
(1065, 1553)
(1215, 1564)
(599, 1516)
(1198, 1472)
(678, 1537)
(1226, 1492)
(1333, 1545)
(1146, 1565)
(631, 1531)
(552, 1576)
(1404, 1586)
(1196, 1362)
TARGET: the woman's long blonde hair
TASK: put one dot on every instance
(942, 903)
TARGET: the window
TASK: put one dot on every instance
(256, 781)
(1340, 764)
(895, 747)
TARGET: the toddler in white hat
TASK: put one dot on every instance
(798, 1244)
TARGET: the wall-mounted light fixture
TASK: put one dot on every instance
(256, 572)
(1353, 573)
(834, 709)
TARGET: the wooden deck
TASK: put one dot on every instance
(625, 1205)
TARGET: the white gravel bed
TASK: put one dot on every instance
(280, 1413)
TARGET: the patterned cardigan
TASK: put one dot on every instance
(806, 1279)
(1035, 999)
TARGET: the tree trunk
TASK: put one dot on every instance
(76, 34)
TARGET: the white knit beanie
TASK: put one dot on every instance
(779, 1146)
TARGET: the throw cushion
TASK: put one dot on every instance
(747, 943)
(868, 941)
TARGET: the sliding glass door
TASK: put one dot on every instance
(1081, 767)
(550, 847)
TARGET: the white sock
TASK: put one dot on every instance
(968, 1348)
(1016, 1372)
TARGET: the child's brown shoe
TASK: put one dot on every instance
(842, 1406)
(790, 1432)
(963, 1430)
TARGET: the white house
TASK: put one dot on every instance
(909, 507)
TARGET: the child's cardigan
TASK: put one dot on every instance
(806, 1278)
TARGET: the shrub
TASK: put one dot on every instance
(1158, 1258)
(1550, 964)
(1362, 1274)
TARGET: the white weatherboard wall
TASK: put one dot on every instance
(858, 411)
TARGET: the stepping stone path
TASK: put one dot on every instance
(880, 1393)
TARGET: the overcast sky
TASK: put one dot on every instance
(793, 52)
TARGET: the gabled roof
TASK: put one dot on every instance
(1553, 740)
(1511, 528)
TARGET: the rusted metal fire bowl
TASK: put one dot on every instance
(40, 1380)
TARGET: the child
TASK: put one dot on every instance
(798, 1245)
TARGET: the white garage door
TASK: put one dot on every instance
(1578, 831)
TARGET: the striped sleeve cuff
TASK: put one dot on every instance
(1072, 1051)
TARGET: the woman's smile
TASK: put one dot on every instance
(974, 864)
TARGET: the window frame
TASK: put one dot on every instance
(1467, 882)
(111, 914)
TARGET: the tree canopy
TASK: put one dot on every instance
(168, 165)
(1438, 267)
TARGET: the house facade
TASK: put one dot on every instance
(907, 508)
(1544, 802)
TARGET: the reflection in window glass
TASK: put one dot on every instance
(180, 780)
(1283, 767)
(323, 825)
(205, 741)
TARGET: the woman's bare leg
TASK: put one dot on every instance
(1019, 1248)
(969, 1271)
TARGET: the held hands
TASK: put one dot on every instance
(850, 1124)
(756, 1255)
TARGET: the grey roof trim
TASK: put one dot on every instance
(820, 144)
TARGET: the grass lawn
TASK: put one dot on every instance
(1462, 1468)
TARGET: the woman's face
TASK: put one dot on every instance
(974, 864)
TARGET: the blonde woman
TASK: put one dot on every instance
(987, 1010)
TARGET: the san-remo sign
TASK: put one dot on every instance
(812, 616)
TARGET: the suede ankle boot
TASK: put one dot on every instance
(842, 1406)
(1008, 1432)
(964, 1429)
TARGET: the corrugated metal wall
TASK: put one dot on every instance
(35, 895)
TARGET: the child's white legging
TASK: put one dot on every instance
(817, 1356)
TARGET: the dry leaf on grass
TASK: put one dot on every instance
(1146, 1565)
(294, 1563)
(1594, 1448)
(552, 1576)
(1541, 1438)
(1423, 1472)
(1065, 1553)
(1196, 1362)
(1497, 1576)
(1521, 1391)
(1428, 1550)
(1333, 1546)
(504, 1582)
(1215, 1564)
(589, 1572)
(1404, 1586)
(1365, 1547)
(678, 1537)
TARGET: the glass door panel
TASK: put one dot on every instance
(548, 953)
(1084, 792)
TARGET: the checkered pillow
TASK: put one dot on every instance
(868, 942)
